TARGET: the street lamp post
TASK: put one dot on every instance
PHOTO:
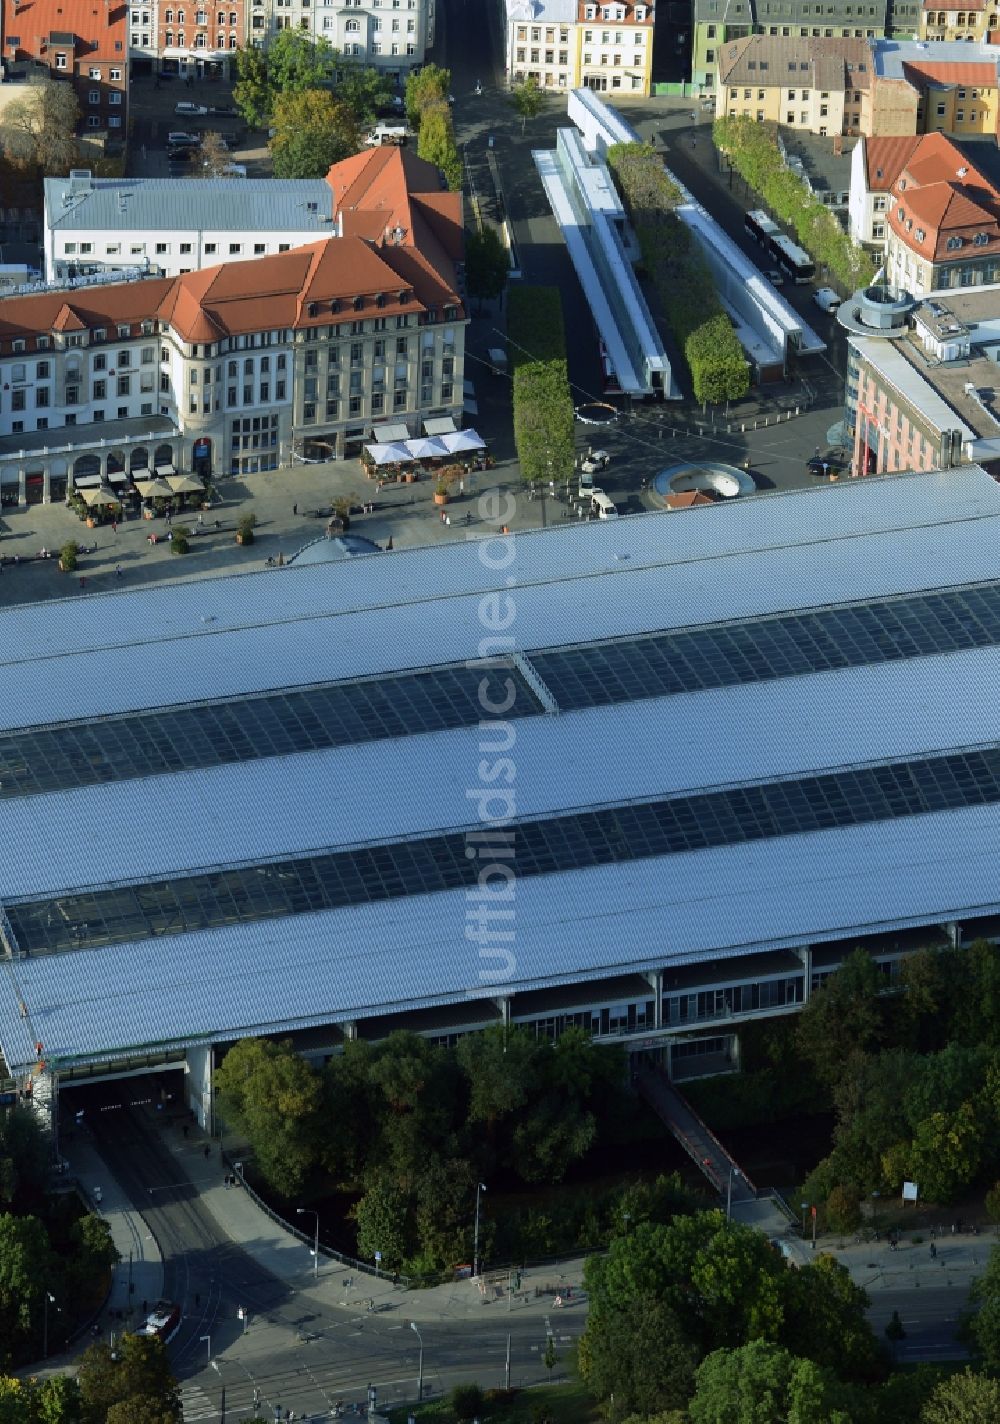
(734, 1171)
(48, 1299)
(305, 1211)
(475, 1249)
(805, 1208)
(875, 1197)
(208, 1341)
(420, 1366)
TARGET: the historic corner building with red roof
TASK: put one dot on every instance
(82, 42)
(246, 365)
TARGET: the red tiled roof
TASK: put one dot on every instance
(96, 24)
(932, 5)
(982, 76)
(335, 279)
(942, 194)
(885, 159)
(687, 498)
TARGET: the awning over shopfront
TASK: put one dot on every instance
(440, 425)
(390, 434)
(164, 471)
(426, 448)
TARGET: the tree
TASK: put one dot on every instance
(275, 1098)
(436, 143)
(137, 1368)
(426, 87)
(843, 1017)
(24, 1157)
(895, 1331)
(967, 1398)
(992, 1203)
(366, 91)
(766, 1384)
(313, 130)
(946, 1153)
(40, 129)
(639, 1357)
(142, 1409)
(528, 100)
(382, 1216)
(58, 1401)
(984, 1326)
(26, 1264)
(251, 92)
(297, 62)
(826, 1321)
(487, 265)
(211, 156)
(292, 64)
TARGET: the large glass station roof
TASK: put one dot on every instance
(545, 847)
(274, 724)
(191, 737)
(760, 649)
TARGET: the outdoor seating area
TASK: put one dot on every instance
(425, 456)
(164, 491)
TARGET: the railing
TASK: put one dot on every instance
(307, 1238)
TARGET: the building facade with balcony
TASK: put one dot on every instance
(194, 41)
(391, 35)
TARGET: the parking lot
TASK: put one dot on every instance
(154, 117)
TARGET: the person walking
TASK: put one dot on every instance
(118, 570)
(295, 510)
(114, 526)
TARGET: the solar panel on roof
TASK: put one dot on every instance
(605, 836)
(760, 649)
(277, 724)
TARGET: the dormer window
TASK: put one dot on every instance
(379, 299)
(18, 345)
(902, 185)
(403, 297)
(980, 239)
(358, 303)
(312, 309)
(953, 244)
(99, 334)
(920, 235)
(335, 304)
(901, 213)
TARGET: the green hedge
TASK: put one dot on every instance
(753, 151)
(702, 330)
(543, 405)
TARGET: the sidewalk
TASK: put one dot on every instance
(339, 1286)
(137, 1277)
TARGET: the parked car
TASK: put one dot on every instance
(776, 277)
(180, 136)
(184, 106)
(596, 460)
(826, 299)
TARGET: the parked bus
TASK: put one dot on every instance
(793, 260)
(761, 228)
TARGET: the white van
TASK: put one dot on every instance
(386, 134)
(601, 507)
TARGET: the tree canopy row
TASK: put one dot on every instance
(543, 403)
(753, 151)
(702, 330)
